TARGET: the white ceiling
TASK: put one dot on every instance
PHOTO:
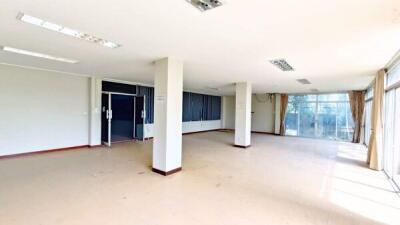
(338, 45)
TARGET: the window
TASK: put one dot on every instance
(391, 152)
(367, 114)
(322, 116)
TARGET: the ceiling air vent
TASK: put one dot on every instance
(314, 90)
(282, 64)
(303, 81)
(204, 5)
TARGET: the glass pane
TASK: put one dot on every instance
(396, 135)
(367, 133)
(389, 132)
(394, 76)
(345, 125)
(122, 117)
(307, 119)
(291, 119)
(302, 98)
(333, 97)
(327, 120)
(370, 93)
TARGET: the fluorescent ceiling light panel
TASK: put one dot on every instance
(204, 5)
(303, 81)
(66, 30)
(36, 54)
(282, 64)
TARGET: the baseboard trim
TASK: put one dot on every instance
(242, 146)
(262, 132)
(188, 133)
(166, 173)
(95, 146)
(254, 132)
(43, 152)
(225, 130)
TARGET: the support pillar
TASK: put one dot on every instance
(168, 92)
(243, 115)
(95, 112)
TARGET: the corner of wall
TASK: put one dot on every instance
(277, 113)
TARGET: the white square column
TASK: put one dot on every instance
(168, 92)
(243, 115)
(95, 112)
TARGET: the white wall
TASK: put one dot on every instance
(188, 127)
(42, 110)
(263, 113)
(228, 112)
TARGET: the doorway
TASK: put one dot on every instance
(123, 117)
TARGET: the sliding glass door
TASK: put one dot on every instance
(325, 116)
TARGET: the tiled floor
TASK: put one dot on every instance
(279, 180)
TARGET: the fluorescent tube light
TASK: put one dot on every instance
(30, 19)
(65, 30)
(52, 26)
(70, 32)
(36, 54)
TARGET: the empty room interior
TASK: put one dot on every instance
(225, 112)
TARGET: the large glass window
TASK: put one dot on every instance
(321, 116)
(391, 153)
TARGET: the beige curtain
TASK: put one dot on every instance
(357, 101)
(375, 147)
(284, 103)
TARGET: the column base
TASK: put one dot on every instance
(166, 173)
(242, 146)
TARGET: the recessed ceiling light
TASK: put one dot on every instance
(36, 54)
(282, 64)
(303, 81)
(204, 5)
(65, 30)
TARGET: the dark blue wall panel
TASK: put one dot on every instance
(215, 108)
(148, 92)
(195, 107)
(186, 107)
(118, 87)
